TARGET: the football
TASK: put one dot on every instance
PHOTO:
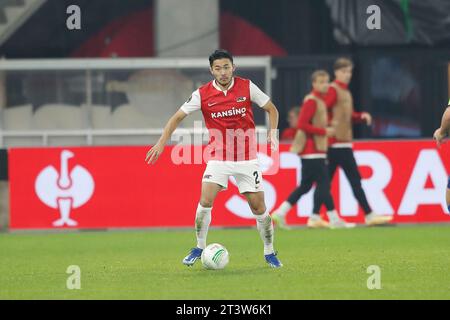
(215, 256)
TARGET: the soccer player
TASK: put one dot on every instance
(439, 135)
(339, 101)
(313, 121)
(226, 104)
(288, 134)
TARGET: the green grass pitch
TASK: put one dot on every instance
(318, 264)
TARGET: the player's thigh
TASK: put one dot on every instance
(215, 179)
(256, 201)
(322, 171)
(309, 171)
(217, 172)
(332, 162)
(248, 176)
(348, 164)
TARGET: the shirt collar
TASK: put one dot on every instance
(318, 94)
(220, 89)
(341, 84)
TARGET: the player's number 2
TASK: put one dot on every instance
(255, 173)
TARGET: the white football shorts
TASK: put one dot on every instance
(247, 174)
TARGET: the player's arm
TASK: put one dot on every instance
(191, 105)
(443, 131)
(272, 111)
(154, 153)
(359, 117)
(307, 112)
(331, 98)
(264, 102)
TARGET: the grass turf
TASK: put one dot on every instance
(318, 264)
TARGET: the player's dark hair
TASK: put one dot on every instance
(319, 73)
(220, 54)
(342, 63)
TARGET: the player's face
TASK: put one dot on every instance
(344, 74)
(222, 70)
(321, 84)
(292, 119)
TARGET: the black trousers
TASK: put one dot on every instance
(314, 171)
(344, 158)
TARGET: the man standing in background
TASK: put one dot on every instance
(339, 101)
(313, 122)
(288, 134)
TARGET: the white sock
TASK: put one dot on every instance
(202, 221)
(333, 216)
(283, 209)
(265, 228)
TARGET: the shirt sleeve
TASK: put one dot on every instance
(285, 134)
(331, 98)
(193, 103)
(307, 112)
(357, 117)
(257, 96)
(288, 134)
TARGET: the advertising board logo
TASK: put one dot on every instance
(64, 190)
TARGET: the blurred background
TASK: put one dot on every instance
(117, 77)
(401, 73)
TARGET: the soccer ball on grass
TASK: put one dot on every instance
(215, 256)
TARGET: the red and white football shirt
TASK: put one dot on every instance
(228, 116)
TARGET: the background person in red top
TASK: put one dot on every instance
(339, 100)
(288, 134)
(226, 104)
(313, 121)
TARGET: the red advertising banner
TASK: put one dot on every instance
(113, 187)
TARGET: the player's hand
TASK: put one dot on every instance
(331, 132)
(154, 153)
(439, 137)
(272, 139)
(367, 118)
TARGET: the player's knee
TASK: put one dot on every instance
(206, 202)
(258, 209)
